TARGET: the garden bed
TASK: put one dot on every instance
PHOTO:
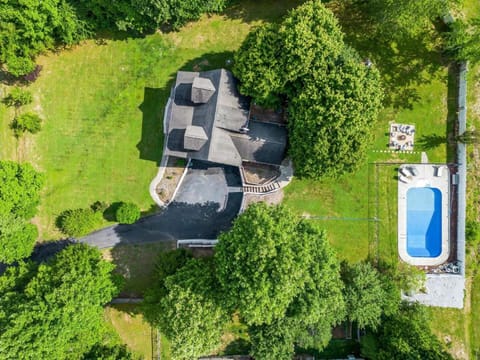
(171, 178)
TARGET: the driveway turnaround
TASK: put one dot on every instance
(207, 201)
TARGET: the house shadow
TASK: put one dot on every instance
(152, 107)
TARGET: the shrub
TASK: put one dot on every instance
(18, 97)
(127, 213)
(78, 222)
(99, 206)
(26, 122)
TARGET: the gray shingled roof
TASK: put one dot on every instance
(210, 101)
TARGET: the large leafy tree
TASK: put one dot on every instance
(190, 314)
(145, 15)
(333, 98)
(364, 294)
(20, 187)
(462, 41)
(55, 310)
(282, 276)
(262, 262)
(29, 27)
(405, 335)
(17, 238)
(168, 263)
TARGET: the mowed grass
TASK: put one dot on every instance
(136, 263)
(131, 328)
(103, 107)
(346, 207)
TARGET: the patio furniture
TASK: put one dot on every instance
(438, 171)
(403, 179)
(413, 170)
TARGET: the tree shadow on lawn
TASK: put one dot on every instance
(136, 264)
(43, 252)
(431, 141)
(150, 146)
(404, 62)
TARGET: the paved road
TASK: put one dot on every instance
(207, 201)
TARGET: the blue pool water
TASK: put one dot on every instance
(424, 222)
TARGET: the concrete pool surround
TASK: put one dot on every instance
(424, 214)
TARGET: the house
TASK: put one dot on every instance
(207, 119)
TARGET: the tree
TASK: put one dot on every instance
(112, 352)
(168, 263)
(17, 238)
(18, 97)
(144, 16)
(333, 97)
(127, 213)
(283, 277)
(364, 295)
(312, 314)
(190, 314)
(78, 222)
(55, 310)
(469, 137)
(30, 27)
(30, 122)
(273, 341)
(332, 118)
(461, 41)
(262, 262)
(406, 335)
(19, 189)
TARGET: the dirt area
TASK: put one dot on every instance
(257, 174)
(270, 199)
(173, 172)
(258, 113)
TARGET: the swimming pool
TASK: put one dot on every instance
(424, 214)
(424, 222)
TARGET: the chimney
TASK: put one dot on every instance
(202, 90)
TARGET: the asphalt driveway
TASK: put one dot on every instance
(208, 199)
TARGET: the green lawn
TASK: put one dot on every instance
(103, 107)
(131, 329)
(347, 207)
(136, 264)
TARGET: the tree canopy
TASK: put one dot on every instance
(282, 276)
(190, 314)
(262, 262)
(364, 294)
(462, 41)
(167, 264)
(19, 189)
(30, 27)
(55, 310)
(333, 97)
(406, 335)
(17, 238)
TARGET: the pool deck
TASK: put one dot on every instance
(429, 175)
(442, 290)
